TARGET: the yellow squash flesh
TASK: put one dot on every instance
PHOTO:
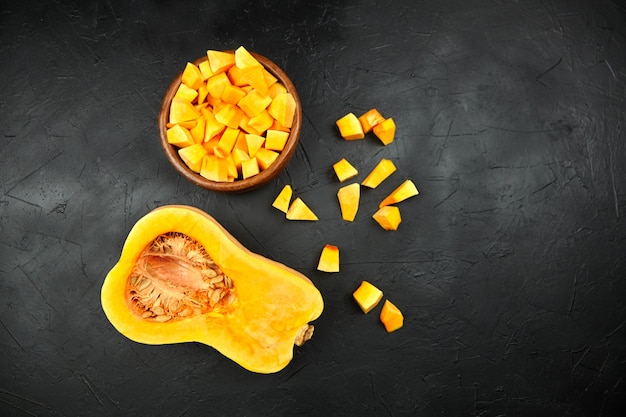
(257, 331)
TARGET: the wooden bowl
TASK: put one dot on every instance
(239, 185)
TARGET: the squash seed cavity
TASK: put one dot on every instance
(176, 278)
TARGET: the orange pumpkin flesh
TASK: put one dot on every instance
(257, 326)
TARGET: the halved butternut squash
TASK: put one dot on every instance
(181, 253)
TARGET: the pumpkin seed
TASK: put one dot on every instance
(156, 298)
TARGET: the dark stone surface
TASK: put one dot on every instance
(509, 265)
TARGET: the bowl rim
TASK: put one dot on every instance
(249, 184)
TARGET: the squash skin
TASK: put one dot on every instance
(259, 329)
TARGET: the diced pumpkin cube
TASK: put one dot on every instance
(405, 190)
(254, 103)
(367, 296)
(388, 217)
(236, 76)
(229, 115)
(269, 79)
(329, 259)
(261, 122)
(211, 144)
(266, 157)
(216, 85)
(220, 61)
(349, 197)
(232, 94)
(239, 156)
(276, 140)
(241, 141)
(186, 93)
(205, 70)
(349, 127)
(379, 174)
(231, 167)
(192, 77)
(245, 125)
(277, 126)
(298, 210)
(226, 142)
(182, 111)
(244, 59)
(203, 92)
(344, 170)
(255, 77)
(249, 168)
(193, 156)
(214, 168)
(385, 131)
(391, 317)
(212, 126)
(179, 136)
(283, 199)
(283, 109)
(254, 143)
(275, 89)
(197, 132)
(369, 119)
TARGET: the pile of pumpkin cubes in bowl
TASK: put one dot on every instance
(230, 117)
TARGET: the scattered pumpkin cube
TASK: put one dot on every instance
(349, 196)
(249, 168)
(344, 170)
(405, 190)
(266, 157)
(349, 127)
(369, 119)
(367, 296)
(275, 140)
(385, 131)
(391, 317)
(192, 77)
(182, 111)
(193, 156)
(220, 61)
(283, 199)
(283, 109)
(179, 136)
(388, 217)
(379, 174)
(298, 210)
(329, 259)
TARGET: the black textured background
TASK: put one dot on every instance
(509, 266)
